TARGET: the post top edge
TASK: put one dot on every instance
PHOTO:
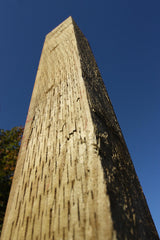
(60, 27)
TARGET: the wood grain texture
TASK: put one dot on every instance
(74, 178)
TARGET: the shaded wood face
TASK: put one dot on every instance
(74, 178)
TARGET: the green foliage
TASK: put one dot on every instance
(9, 148)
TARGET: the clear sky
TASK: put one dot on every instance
(125, 39)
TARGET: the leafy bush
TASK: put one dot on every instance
(9, 148)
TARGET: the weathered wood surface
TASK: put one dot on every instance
(74, 178)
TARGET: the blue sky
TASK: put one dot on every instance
(125, 39)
